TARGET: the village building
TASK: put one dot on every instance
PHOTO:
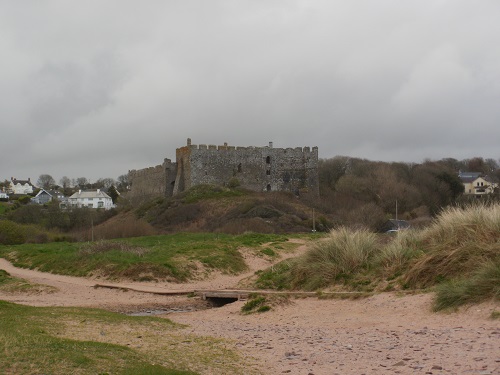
(90, 199)
(21, 187)
(476, 184)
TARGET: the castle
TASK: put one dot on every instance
(255, 168)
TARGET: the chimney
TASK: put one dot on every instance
(270, 144)
(98, 191)
(79, 191)
(189, 141)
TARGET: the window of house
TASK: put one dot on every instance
(90, 205)
(268, 160)
(268, 172)
(100, 204)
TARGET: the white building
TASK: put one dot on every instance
(20, 186)
(475, 184)
(91, 199)
(4, 196)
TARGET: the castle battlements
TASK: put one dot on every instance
(255, 168)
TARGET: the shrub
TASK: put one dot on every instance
(11, 233)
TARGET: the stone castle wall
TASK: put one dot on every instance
(152, 182)
(255, 168)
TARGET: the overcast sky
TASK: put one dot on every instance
(94, 88)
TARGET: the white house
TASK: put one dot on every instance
(91, 199)
(20, 186)
(475, 184)
(4, 196)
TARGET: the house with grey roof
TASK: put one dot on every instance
(20, 186)
(91, 199)
(46, 196)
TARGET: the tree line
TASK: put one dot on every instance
(357, 191)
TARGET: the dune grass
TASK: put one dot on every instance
(459, 253)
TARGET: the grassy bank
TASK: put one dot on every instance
(459, 254)
(174, 257)
(89, 341)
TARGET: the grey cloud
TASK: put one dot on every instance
(98, 88)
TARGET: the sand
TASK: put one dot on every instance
(383, 334)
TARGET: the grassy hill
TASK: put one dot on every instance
(215, 209)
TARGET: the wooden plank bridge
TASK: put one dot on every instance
(233, 294)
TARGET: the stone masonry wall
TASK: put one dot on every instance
(255, 168)
(152, 182)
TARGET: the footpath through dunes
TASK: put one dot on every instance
(130, 296)
(382, 334)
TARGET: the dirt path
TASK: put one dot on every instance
(383, 334)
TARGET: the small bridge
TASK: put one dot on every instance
(223, 296)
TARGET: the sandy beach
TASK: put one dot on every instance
(384, 334)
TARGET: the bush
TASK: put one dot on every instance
(11, 233)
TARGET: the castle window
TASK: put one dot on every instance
(268, 160)
(239, 167)
(268, 187)
(268, 172)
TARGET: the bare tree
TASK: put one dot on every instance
(82, 182)
(123, 183)
(46, 181)
(65, 182)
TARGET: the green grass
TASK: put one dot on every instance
(202, 192)
(170, 257)
(3, 207)
(32, 341)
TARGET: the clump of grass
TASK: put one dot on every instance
(275, 277)
(341, 254)
(10, 284)
(98, 247)
(253, 304)
(396, 255)
(259, 304)
(457, 245)
(483, 285)
(268, 251)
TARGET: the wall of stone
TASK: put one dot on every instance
(152, 182)
(255, 168)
